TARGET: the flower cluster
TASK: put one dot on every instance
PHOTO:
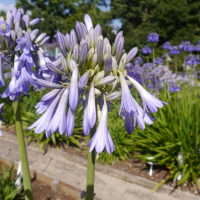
(19, 46)
(93, 73)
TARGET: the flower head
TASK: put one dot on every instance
(166, 45)
(174, 50)
(4, 28)
(146, 50)
(153, 37)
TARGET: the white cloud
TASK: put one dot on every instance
(6, 7)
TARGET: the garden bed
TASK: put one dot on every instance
(42, 191)
(133, 166)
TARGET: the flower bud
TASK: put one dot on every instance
(34, 21)
(122, 62)
(88, 40)
(27, 20)
(88, 22)
(18, 16)
(108, 49)
(92, 35)
(13, 35)
(72, 65)
(44, 41)
(40, 38)
(94, 60)
(108, 66)
(14, 11)
(114, 66)
(105, 81)
(68, 40)
(120, 48)
(99, 76)
(73, 38)
(79, 30)
(19, 33)
(83, 55)
(11, 20)
(113, 96)
(34, 34)
(97, 31)
(17, 25)
(90, 53)
(114, 84)
(61, 43)
(76, 53)
(100, 52)
(83, 80)
(97, 92)
(117, 39)
(131, 54)
(53, 68)
(64, 65)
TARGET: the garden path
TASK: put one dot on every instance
(54, 163)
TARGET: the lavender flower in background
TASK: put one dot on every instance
(166, 45)
(184, 45)
(158, 60)
(153, 37)
(190, 48)
(174, 50)
(146, 50)
(191, 60)
(138, 60)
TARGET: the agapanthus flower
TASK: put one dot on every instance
(191, 60)
(90, 69)
(158, 60)
(190, 48)
(138, 60)
(174, 50)
(184, 45)
(166, 45)
(146, 50)
(4, 28)
(153, 37)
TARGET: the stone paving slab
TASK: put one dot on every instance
(72, 170)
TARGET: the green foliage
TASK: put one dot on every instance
(175, 131)
(173, 20)
(8, 190)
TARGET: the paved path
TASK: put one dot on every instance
(60, 167)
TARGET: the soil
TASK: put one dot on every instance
(42, 191)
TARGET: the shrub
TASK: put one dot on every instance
(8, 190)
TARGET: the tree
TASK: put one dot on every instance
(63, 14)
(173, 20)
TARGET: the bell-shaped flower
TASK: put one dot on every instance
(102, 138)
(1, 65)
(127, 101)
(91, 112)
(73, 91)
(45, 120)
(83, 55)
(149, 101)
(24, 43)
(59, 119)
(4, 28)
(70, 122)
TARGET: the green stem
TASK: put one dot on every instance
(154, 69)
(91, 170)
(23, 154)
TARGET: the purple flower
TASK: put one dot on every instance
(173, 88)
(190, 48)
(88, 22)
(127, 101)
(138, 60)
(1, 65)
(174, 50)
(184, 45)
(166, 45)
(149, 101)
(153, 37)
(146, 50)
(102, 138)
(158, 60)
(198, 47)
(192, 60)
(25, 44)
(4, 28)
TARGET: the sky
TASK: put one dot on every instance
(6, 4)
